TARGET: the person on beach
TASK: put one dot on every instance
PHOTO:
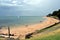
(40, 21)
(26, 25)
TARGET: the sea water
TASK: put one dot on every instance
(19, 20)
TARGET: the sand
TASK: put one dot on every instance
(21, 31)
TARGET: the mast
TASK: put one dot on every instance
(18, 17)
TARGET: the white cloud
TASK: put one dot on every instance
(10, 3)
(32, 2)
(21, 2)
(14, 2)
(6, 4)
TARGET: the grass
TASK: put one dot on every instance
(52, 33)
(55, 35)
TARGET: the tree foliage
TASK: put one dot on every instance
(55, 13)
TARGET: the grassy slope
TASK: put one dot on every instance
(1, 38)
(52, 33)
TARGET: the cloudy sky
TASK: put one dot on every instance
(28, 7)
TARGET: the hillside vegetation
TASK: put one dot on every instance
(55, 14)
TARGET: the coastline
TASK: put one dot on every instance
(23, 30)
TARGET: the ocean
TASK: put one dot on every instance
(19, 20)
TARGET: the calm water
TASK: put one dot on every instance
(21, 20)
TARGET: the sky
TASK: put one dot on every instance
(28, 7)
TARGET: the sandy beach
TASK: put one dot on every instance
(23, 30)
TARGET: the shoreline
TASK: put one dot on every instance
(22, 31)
(24, 22)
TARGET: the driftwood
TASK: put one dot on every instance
(28, 35)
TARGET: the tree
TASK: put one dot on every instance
(49, 15)
(55, 13)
